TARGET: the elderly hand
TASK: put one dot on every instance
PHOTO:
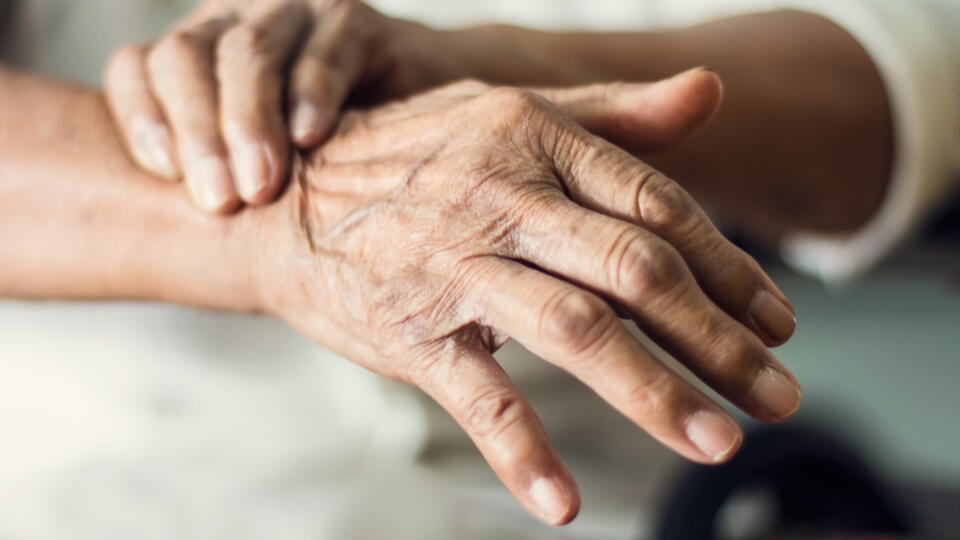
(208, 101)
(425, 234)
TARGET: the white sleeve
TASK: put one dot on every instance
(916, 47)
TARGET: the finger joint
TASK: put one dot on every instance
(492, 411)
(662, 205)
(646, 267)
(577, 321)
(177, 51)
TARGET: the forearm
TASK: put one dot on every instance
(804, 132)
(79, 221)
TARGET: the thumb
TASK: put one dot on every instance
(643, 117)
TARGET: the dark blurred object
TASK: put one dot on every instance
(6, 11)
(786, 482)
(946, 224)
(7, 16)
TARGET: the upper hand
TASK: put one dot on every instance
(209, 102)
(424, 234)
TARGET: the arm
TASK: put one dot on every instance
(805, 129)
(79, 221)
(415, 242)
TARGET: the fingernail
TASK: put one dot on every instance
(210, 183)
(771, 316)
(305, 122)
(776, 393)
(688, 72)
(550, 499)
(153, 146)
(254, 168)
(713, 434)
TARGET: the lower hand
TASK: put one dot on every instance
(425, 234)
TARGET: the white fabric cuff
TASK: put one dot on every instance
(911, 44)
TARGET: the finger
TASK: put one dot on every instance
(182, 72)
(643, 117)
(251, 61)
(329, 67)
(138, 114)
(650, 280)
(579, 332)
(473, 388)
(640, 117)
(606, 179)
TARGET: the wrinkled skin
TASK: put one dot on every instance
(426, 233)
(207, 102)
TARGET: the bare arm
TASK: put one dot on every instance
(78, 220)
(400, 247)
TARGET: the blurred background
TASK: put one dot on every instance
(147, 421)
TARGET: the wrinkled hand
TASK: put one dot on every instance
(425, 234)
(208, 101)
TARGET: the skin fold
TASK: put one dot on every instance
(420, 237)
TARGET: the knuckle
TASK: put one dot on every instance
(329, 7)
(422, 371)
(492, 411)
(125, 59)
(648, 267)
(576, 321)
(736, 355)
(656, 396)
(530, 123)
(661, 203)
(176, 49)
(467, 86)
(123, 70)
(243, 43)
(513, 105)
(610, 91)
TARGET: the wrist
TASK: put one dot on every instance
(196, 260)
(507, 55)
(237, 275)
(498, 54)
(414, 48)
(277, 247)
(501, 54)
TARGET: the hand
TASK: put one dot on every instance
(207, 102)
(425, 234)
